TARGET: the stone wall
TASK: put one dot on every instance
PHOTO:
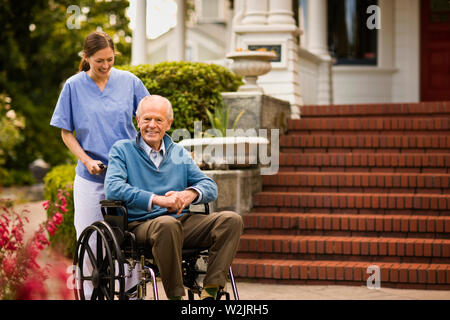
(236, 189)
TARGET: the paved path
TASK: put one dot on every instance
(256, 291)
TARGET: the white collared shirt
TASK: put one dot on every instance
(155, 156)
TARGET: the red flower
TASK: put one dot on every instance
(58, 218)
(9, 266)
(51, 228)
(32, 289)
(45, 204)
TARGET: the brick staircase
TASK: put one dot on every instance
(358, 185)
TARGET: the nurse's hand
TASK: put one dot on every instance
(93, 166)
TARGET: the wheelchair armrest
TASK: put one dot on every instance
(112, 203)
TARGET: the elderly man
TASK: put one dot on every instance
(158, 180)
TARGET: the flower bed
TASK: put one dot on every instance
(21, 275)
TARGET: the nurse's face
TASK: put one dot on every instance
(101, 62)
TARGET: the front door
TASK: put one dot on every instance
(435, 50)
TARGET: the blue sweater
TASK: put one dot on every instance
(132, 177)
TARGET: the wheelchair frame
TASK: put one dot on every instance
(118, 248)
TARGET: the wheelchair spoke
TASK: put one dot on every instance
(91, 256)
(99, 250)
(106, 292)
(94, 294)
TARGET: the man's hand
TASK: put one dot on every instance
(173, 202)
(186, 196)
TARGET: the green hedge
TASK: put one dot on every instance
(61, 178)
(191, 87)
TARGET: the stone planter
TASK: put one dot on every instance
(225, 152)
(251, 65)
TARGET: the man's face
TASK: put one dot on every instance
(153, 122)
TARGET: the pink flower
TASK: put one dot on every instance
(57, 218)
(51, 228)
(45, 204)
(32, 289)
(62, 208)
(9, 266)
(11, 246)
(5, 217)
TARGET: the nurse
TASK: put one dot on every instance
(94, 110)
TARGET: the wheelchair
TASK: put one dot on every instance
(116, 251)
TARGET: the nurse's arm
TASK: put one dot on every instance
(72, 143)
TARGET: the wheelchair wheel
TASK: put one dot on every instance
(99, 264)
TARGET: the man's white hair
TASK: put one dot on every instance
(152, 98)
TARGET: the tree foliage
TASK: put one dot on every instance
(40, 50)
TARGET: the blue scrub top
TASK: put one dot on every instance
(98, 118)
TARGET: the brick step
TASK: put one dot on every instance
(373, 124)
(390, 162)
(371, 182)
(347, 225)
(390, 109)
(367, 132)
(353, 248)
(365, 143)
(404, 275)
(362, 203)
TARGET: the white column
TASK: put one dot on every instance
(139, 41)
(317, 27)
(318, 44)
(280, 12)
(180, 30)
(238, 15)
(256, 13)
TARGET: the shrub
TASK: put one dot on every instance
(191, 87)
(21, 276)
(11, 125)
(60, 180)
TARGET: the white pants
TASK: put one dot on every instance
(86, 198)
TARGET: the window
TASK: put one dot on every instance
(350, 41)
(440, 11)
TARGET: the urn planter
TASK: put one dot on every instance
(251, 65)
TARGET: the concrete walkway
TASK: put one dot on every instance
(256, 291)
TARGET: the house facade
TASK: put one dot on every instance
(330, 51)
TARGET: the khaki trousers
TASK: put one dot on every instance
(166, 235)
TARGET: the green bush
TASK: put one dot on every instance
(13, 177)
(61, 178)
(191, 87)
(11, 126)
